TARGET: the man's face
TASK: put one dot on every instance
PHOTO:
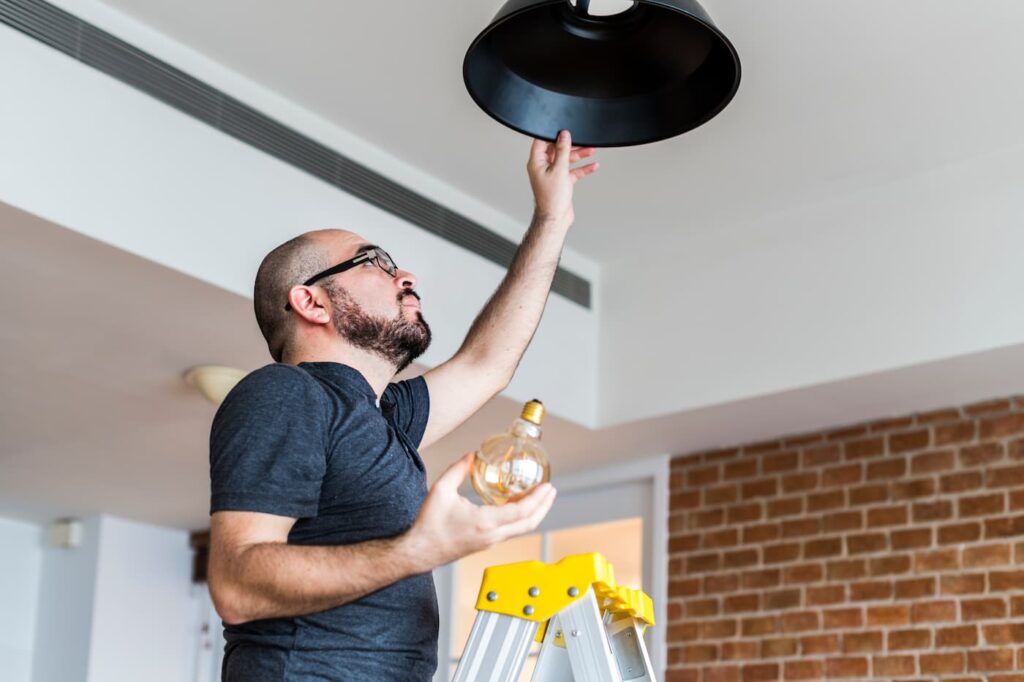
(374, 310)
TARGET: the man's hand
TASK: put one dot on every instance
(450, 527)
(552, 176)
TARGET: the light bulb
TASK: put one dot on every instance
(509, 465)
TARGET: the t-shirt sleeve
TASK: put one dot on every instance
(411, 399)
(268, 444)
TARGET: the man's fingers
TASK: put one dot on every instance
(583, 171)
(532, 518)
(536, 516)
(547, 151)
(577, 153)
(563, 149)
(455, 474)
(581, 153)
(539, 153)
(522, 508)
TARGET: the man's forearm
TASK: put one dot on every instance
(275, 580)
(504, 328)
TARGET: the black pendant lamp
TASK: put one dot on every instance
(654, 71)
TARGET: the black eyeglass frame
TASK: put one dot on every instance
(377, 255)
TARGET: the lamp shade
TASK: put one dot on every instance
(656, 70)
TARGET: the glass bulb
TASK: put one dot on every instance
(509, 465)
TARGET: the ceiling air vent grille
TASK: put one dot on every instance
(114, 57)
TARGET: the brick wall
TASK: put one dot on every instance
(888, 550)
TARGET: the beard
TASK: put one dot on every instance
(398, 340)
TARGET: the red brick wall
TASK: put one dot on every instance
(892, 549)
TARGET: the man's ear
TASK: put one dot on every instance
(310, 304)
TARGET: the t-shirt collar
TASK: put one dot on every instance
(350, 377)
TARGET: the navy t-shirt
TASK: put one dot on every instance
(310, 442)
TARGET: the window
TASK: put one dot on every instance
(621, 542)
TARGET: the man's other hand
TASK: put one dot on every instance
(450, 527)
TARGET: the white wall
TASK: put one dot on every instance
(145, 612)
(120, 607)
(98, 157)
(801, 298)
(67, 591)
(21, 556)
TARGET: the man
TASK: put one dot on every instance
(323, 533)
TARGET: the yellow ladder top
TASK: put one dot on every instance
(536, 591)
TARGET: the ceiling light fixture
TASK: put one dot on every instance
(214, 381)
(655, 70)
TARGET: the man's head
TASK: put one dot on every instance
(366, 306)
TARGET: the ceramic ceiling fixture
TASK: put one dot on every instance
(214, 381)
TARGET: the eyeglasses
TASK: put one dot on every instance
(375, 255)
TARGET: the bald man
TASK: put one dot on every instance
(323, 531)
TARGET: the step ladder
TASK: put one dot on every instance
(590, 629)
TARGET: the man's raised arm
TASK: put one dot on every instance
(499, 336)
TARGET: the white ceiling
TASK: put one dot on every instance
(835, 98)
(95, 414)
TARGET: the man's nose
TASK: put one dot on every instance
(405, 280)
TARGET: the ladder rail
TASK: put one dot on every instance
(553, 661)
(497, 649)
(586, 641)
